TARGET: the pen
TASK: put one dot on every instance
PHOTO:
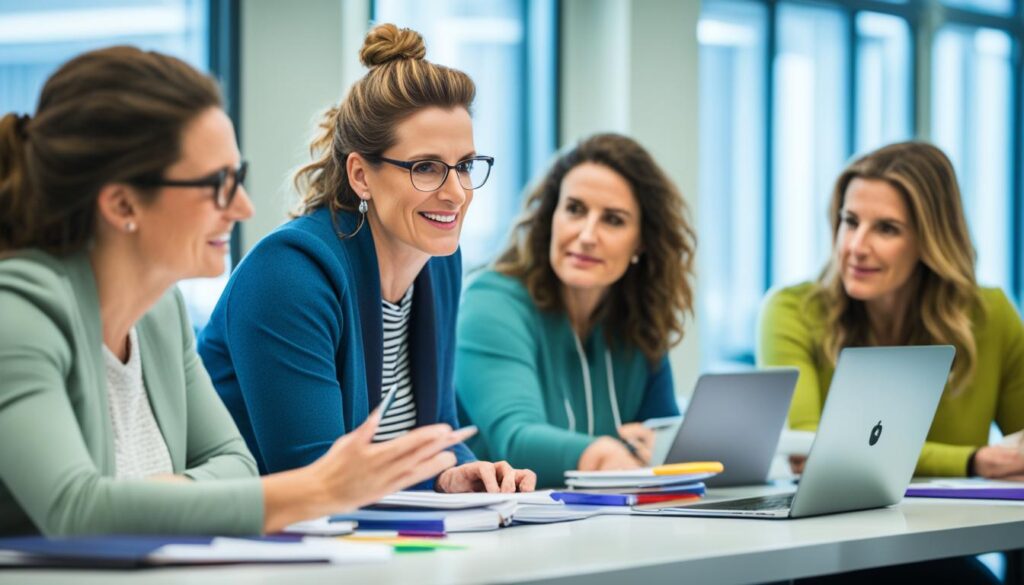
(631, 448)
(389, 398)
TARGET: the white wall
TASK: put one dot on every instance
(295, 61)
(630, 66)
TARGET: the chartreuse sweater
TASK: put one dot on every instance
(791, 333)
(517, 371)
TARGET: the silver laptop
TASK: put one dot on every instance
(879, 409)
(736, 419)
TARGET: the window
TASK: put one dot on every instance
(811, 135)
(733, 40)
(790, 90)
(1001, 7)
(508, 48)
(972, 121)
(884, 80)
(36, 38)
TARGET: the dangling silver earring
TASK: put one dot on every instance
(364, 206)
(635, 259)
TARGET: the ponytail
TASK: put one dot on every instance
(16, 212)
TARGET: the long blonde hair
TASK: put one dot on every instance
(400, 83)
(944, 290)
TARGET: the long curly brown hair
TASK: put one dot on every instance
(945, 291)
(653, 297)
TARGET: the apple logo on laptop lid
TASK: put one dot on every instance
(876, 433)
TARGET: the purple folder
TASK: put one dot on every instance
(968, 493)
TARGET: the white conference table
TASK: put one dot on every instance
(630, 549)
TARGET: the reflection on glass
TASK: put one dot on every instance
(507, 47)
(35, 39)
(732, 157)
(883, 80)
(1002, 7)
(972, 121)
(810, 138)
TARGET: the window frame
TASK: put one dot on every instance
(924, 19)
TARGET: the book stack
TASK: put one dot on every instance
(673, 485)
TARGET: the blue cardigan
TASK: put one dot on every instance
(294, 346)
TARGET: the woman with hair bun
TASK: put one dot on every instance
(127, 180)
(358, 293)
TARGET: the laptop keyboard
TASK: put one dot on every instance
(776, 502)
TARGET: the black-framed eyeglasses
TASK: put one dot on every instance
(224, 183)
(429, 174)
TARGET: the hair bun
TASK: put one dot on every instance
(386, 43)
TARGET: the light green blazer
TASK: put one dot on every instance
(56, 439)
(792, 331)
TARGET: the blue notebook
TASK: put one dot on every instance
(100, 552)
(434, 521)
(403, 521)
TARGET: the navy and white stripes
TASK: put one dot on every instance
(401, 417)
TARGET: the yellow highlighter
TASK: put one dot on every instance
(689, 468)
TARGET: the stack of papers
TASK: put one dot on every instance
(674, 494)
(677, 474)
(150, 551)
(1014, 441)
(436, 501)
(967, 489)
(431, 522)
(423, 513)
(675, 484)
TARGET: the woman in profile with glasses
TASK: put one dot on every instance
(562, 344)
(358, 294)
(126, 180)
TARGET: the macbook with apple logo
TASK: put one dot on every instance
(879, 408)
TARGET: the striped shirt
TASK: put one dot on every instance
(401, 417)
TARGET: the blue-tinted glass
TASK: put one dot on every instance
(1003, 7)
(37, 37)
(732, 176)
(883, 80)
(810, 138)
(972, 120)
(507, 47)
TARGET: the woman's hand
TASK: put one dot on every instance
(796, 463)
(356, 472)
(641, 438)
(998, 462)
(607, 453)
(484, 476)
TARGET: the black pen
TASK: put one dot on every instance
(631, 448)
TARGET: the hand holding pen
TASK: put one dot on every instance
(639, 441)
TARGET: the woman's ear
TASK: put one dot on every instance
(118, 207)
(357, 169)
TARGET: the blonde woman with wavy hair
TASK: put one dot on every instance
(357, 294)
(902, 273)
(562, 344)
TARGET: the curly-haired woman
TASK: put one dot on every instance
(562, 343)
